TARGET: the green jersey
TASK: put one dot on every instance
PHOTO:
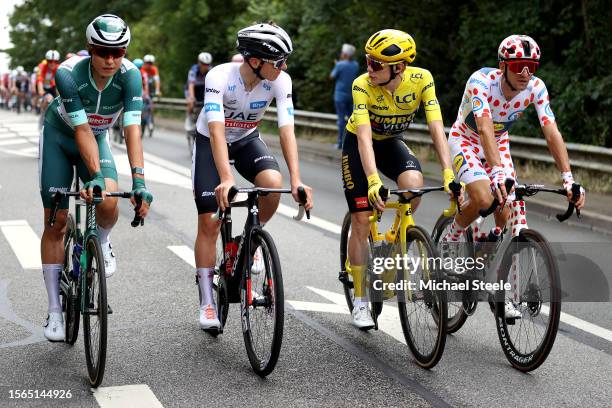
(80, 101)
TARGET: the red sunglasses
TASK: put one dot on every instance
(105, 52)
(518, 66)
(376, 65)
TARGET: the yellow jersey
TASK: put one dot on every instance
(390, 114)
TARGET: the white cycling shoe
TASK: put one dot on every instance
(208, 317)
(110, 262)
(54, 327)
(362, 318)
(511, 312)
(258, 262)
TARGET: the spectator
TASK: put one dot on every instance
(345, 72)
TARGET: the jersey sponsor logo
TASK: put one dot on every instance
(361, 202)
(258, 104)
(240, 116)
(406, 98)
(346, 173)
(67, 100)
(99, 121)
(477, 104)
(359, 106)
(231, 88)
(479, 173)
(458, 162)
(515, 115)
(137, 98)
(232, 102)
(105, 161)
(58, 189)
(498, 127)
(82, 86)
(429, 85)
(290, 111)
(431, 105)
(416, 77)
(117, 86)
(267, 86)
(390, 125)
(541, 93)
(208, 194)
(410, 164)
(379, 107)
(109, 107)
(548, 111)
(380, 98)
(477, 82)
(213, 90)
(358, 89)
(240, 124)
(212, 107)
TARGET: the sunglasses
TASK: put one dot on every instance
(105, 52)
(518, 66)
(278, 64)
(377, 65)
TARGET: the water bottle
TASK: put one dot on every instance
(76, 260)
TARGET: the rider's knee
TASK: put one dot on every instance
(57, 231)
(207, 227)
(481, 197)
(360, 223)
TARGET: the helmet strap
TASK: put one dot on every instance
(391, 77)
(256, 71)
(506, 78)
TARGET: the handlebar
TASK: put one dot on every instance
(416, 192)
(97, 193)
(219, 214)
(528, 190)
(455, 188)
(509, 183)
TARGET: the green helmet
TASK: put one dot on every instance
(108, 30)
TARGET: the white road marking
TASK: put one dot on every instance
(24, 242)
(184, 252)
(13, 141)
(318, 307)
(582, 325)
(126, 396)
(154, 172)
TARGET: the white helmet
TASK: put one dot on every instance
(149, 58)
(108, 30)
(52, 55)
(264, 41)
(20, 69)
(205, 58)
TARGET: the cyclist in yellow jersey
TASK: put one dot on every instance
(385, 101)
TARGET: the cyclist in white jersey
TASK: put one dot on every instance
(479, 142)
(235, 99)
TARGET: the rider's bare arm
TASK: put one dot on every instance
(556, 146)
(436, 129)
(487, 140)
(366, 150)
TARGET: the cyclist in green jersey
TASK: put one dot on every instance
(93, 92)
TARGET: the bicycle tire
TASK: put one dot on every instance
(520, 359)
(263, 358)
(426, 356)
(349, 292)
(70, 299)
(95, 347)
(457, 315)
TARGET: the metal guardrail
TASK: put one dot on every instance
(582, 156)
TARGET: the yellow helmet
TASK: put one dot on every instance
(391, 46)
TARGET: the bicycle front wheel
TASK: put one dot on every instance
(531, 270)
(95, 315)
(422, 308)
(345, 277)
(262, 307)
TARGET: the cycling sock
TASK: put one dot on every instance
(51, 275)
(103, 234)
(358, 281)
(205, 278)
(454, 233)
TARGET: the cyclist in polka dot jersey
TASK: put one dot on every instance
(479, 143)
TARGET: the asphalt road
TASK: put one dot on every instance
(158, 355)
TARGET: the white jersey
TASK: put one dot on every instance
(226, 100)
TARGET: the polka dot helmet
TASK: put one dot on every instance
(518, 47)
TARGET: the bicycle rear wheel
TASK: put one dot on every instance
(417, 307)
(95, 315)
(70, 285)
(529, 266)
(263, 316)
